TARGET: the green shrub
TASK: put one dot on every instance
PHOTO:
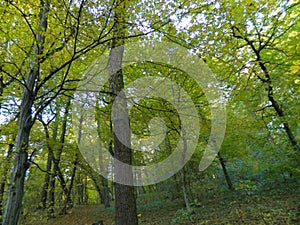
(184, 216)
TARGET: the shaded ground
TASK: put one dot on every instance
(248, 206)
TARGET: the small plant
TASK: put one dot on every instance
(195, 203)
(184, 216)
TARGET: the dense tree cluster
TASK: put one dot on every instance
(251, 47)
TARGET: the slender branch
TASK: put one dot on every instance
(25, 18)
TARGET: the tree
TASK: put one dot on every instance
(38, 48)
(125, 200)
(259, 40)
(21, 164)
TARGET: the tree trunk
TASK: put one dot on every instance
(56, 172)
(6, 166)
(97, 178)
(67, 202)
(276, 106)
(56, 160)
(80, 189)
(51, 197)
(2, 188)
(105, 193)
(1, 88)
(16, 187)
(267, 80)
(227, 177)
(125, 202)
(184, 189)
(44, 192)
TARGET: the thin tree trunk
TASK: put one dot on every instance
(6, 166)
(2, 188)
(51, 197)
(16, 187)
(67, 202)
(267, 80)
(56, 160)
(227, 177)
(94, 176)
(86, 194)
(184, 189)
(277, 108)
(97, 185)
(51, 186)
(105, 193)
(80, 189)
(44, 192)
(1, 89)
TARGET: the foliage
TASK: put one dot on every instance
(252, 48)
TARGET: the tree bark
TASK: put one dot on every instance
(105, 193)
(275, 104)
(16, 187)
(67, 202)
(125, 202)
(6, 166)
(56, 172)
(227, 177)
(184, 189)
(183, 177)
(44, 192)
(80, 189)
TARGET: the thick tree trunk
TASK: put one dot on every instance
(125, 202)
(16, 187)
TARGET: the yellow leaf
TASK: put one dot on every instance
(295, 68)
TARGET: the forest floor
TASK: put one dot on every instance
(279, 205)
